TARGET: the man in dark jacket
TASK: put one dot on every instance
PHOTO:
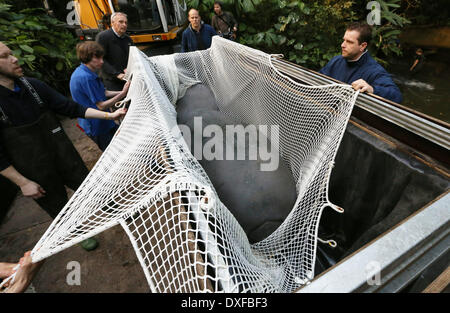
(355, 66)
(224, 22)
(35, 152)
(198, 35)
(116, 44)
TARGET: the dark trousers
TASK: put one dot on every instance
(42, 152)
(103, 140)
(56, 196)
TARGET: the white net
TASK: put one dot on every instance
(148, 181)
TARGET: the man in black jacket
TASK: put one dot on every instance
(224, 22)
(116, 44)
(35, 152)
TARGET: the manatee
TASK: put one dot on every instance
(197, 97)
(259, 200)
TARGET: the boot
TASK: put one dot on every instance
(89, 244)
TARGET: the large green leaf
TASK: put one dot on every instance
(34, 25)
(26, 48)
(30, 57)
(272, 37)
(259, 37)
(17, 52)
(40, 49)
(247, 6)
(392, 33)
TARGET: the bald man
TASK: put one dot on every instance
(198, 35)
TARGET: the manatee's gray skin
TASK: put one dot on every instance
(197, 97)
(259, 200)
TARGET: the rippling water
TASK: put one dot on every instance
(427, 90)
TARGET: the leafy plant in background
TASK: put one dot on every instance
(424, 12)
(307, 32)
(385, 37)
(237, 7)
(45, 49)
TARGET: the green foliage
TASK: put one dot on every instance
(424, 12)
(18, 5)
(307, 32)
(44, 47)
(385, 36)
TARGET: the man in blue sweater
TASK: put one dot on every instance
(355, 66)
(198, 35)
